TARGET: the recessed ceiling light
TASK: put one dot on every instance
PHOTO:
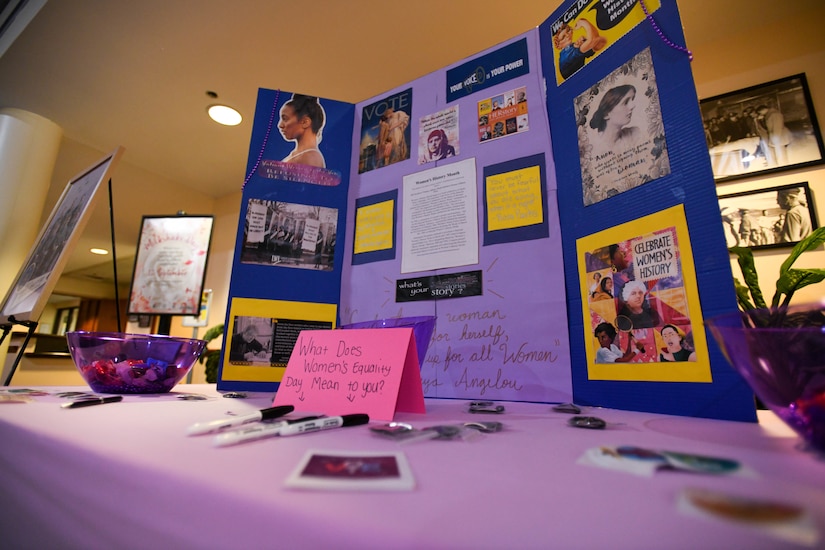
(100, 251)
(224, 115)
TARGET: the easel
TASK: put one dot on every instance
(31, 325)
(60, 231)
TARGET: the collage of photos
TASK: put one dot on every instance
(289, 235)
(637, 302)
(621, 134)
(30, 289)
(503, 115)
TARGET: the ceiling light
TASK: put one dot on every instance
(100, 251)
(224, 115)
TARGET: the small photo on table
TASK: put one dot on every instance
(359, 471)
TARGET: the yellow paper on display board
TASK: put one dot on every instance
(262, 333)
(651, 255)
(514, 199)
(374, 227)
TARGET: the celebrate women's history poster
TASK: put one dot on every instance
(639, 293)
(621, 134)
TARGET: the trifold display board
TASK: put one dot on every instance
(550, 200)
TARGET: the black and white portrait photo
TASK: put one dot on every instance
(620, 131)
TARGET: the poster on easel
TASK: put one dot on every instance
(37, 277)
(170, 265)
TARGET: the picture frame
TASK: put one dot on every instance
(34, 283)
(763, 129)
(170, 265)
(201, 320)
(773, 217)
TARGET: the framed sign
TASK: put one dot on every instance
(762, 129)
(170, 265)
(768, 218)
(37, 277)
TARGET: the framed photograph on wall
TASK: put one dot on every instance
(768, 218)
(38, 276)
(762, 129)
(170, 265)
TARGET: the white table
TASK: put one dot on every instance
(124, 475)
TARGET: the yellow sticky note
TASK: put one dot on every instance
(514, 199)
(374, 227)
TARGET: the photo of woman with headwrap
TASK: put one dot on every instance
(438, 147)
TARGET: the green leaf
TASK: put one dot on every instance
(815, 239)
(742, 295)
(213, 333)
(792, 280)
(748, 267)
(212, 369)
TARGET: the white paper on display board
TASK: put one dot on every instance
(257, 223)
(440, 219)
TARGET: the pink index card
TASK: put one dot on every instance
(373, 371)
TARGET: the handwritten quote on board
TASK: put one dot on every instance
(372, 371)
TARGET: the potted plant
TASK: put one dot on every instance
(750, 297)
(779, 348)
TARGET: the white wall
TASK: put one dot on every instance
(754, 56)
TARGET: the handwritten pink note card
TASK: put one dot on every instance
(372, 370)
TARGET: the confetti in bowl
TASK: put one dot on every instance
(116, 362)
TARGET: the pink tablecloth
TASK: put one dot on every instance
(124, 475)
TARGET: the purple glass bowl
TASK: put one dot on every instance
(422, 330)
(115, 362)
(784, 365)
